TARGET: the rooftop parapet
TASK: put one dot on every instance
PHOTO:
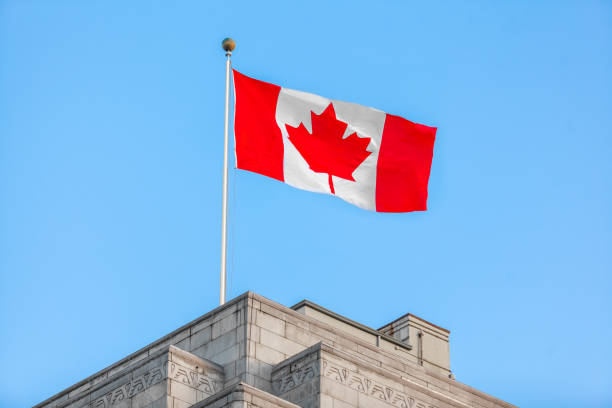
(408, 334)
(249, 351)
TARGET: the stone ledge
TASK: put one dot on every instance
(236, 393)
(310, 350)
(410, 315)
(193, 359)
(376, 349)
(142, 376)
(321, 347)
(346, 320)
(452, 382)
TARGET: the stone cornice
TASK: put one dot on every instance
(351, 323)
(151, 377)
(311, 320)
(160, 346)
(322, 347)
(242, 387)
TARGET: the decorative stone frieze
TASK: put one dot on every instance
(254, 353)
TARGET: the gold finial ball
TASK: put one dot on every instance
(228, 44)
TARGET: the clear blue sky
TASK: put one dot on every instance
(111, 138)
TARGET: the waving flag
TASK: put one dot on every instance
(371, 159)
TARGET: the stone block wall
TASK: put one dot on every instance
(277, 333)
(252, 343)
(298, 379)
(168, 378)
(243, 395)
(429, 342)
(218, 336)
(324, 377)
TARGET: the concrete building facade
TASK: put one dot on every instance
(255, 353)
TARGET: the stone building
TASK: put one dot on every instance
(252, 352)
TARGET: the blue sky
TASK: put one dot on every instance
(111, 138)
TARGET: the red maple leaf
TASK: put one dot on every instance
(325, 150)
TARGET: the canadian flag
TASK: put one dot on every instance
(371, 159)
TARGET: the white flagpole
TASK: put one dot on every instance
(228, 45)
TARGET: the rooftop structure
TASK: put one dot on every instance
(254, 353)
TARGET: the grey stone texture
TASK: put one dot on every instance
(243, 395)
(253, 352)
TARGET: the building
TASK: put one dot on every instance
(252, 352)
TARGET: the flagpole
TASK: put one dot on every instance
(228, 45)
